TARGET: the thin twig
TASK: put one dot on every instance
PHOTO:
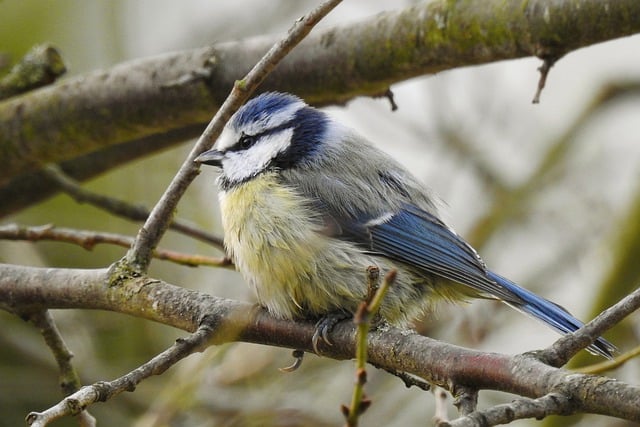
(139, 257)
(408, 379)
(567, 346)
(69, 379)
(103, 391)
(550, 404)
(389, 95)
(609, 365)
(122, 208)
(547, 63)
(366, 312)
(440, 417)
(88, 239)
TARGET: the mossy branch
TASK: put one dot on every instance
(150, 97)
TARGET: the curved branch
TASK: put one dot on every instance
(69, 379)
(103, 391)
(147, 97)
(23, 288)
(121, 208)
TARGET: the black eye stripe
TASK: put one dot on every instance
(246, 141)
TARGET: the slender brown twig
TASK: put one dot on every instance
(120, 207)
(139, 257)
(88, 239)
(105, 390)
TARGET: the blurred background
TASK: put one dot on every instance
(549, 195)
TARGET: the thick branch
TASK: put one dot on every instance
(440, 363)
(152, 96)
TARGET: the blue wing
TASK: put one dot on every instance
(419, 239)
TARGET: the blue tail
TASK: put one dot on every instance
(551, 314)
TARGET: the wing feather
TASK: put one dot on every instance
(419, 239)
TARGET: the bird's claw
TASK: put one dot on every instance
(324, 326)
(298, 355)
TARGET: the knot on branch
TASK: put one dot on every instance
(120, 272)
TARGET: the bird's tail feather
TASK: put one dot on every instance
(550, 313)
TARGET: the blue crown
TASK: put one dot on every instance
(262, 106)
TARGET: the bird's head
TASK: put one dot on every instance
(272, 131)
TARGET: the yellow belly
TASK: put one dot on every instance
(277, 243)
(274, 242)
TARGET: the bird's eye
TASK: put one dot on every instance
(246, 141)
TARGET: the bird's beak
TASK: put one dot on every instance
(212, 157)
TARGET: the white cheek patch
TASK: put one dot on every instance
(240, 165)
(226, 139)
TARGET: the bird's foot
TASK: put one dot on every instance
(325, 325)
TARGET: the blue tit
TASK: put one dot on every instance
(308, 204)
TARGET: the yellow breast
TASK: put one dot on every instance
(275, 241)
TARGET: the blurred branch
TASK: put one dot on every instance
(69, 379)
(511, 202)
(121, 208)
(32, 187)
(624, 274)
(27, 288)
(139, 256)
(88, 239)
(153, 96)
(468, 150)
(103, 391)
(609, 365)
(41, 66)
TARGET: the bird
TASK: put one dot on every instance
(308, 204)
